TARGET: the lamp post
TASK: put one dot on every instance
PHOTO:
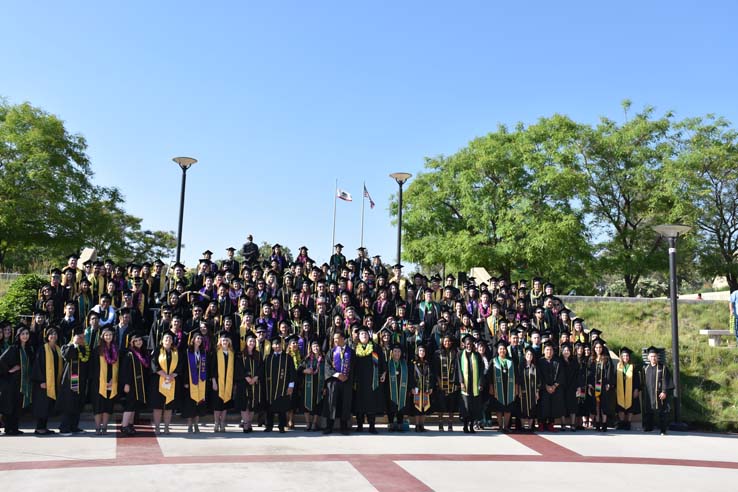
(672, 232)
(184, 163)
(401, 179)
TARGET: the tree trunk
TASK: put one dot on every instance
(732, 281)
(630, 285)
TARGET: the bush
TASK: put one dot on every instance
(21, 296)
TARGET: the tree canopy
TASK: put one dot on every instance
(49, 205)
(574, 201)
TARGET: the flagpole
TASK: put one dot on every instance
(335, 197)
(363, 199)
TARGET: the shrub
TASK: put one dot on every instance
(21, 296)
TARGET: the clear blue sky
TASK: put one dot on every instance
(277, 100)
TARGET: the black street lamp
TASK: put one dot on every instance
(184, 163)
(401, 179)
(672, 232)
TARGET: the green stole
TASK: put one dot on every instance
(463, 363)
(314, 364)
(25, 377)
(505, 394)
(398, 391)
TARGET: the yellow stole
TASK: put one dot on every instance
(52, 380)
(625, 385)
(103, 386)
(225, 376)
(197, 391)
(168, 393)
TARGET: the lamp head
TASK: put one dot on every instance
(672, 230)
(184, 162)
(401, 178)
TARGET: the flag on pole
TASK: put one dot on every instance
(343, 195)
(367, 195)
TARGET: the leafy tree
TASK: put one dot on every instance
(494, 204)
(49, 206)
(265, 251)
(707, 173)
(20, 297)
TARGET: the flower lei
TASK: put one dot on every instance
(111, 354)
(82, 356)
(364, 350)
(143, 360)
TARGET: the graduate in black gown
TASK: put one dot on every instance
(312, 370)
(422, 383)
(104, 368)
(446, 395)
(134, 378)
(194, 381)
(221, 373)
(339, 382)
(504, 385)
(627, 389)
(551, 405)
(471, 381)
(657, 386)
(530, 386)
(398, 389)
(370, 372)
(570, 386)
(73, 386)
(46, 377)
(16, 364)
(279, 379)
(249, 376)
(163, 394)
(601, 383)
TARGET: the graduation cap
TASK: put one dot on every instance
(361, 248)
(594, 332)
(146, 264)
(276, 245)
(124, 311)
(73, 256)
(450, 276)
(249, 334)
(159, 262)
(291, 338)
(466, 338)
(396, 346)
(385, 329)
(376, 256)
(85, 281)
(207, 252)
(548, 343)
(261, 328)
(178, 265)
(55, 271)
(87, 262)
(338, 245)
(581, 322)
(653, 350)
(567, 311)
(501, 343)
(398, 265)
(626, 350)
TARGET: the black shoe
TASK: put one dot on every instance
(282, 430)
(267, 429)
(328, 430)
(373, 430)
(359, 428)
(466, 429)
(440, 427)
(78, 431)
(345, 431)
(471, 430)
(16, 432)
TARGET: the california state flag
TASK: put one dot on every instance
(344, 195)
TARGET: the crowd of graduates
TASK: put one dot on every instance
(345, 340)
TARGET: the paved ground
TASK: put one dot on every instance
(361, 462)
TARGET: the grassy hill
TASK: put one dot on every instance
(709, 375)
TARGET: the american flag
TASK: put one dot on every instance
(367, 195)
(344, 195)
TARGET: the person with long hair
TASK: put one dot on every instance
(194, 382)
(46, 377)
(279, 383)
(104, 380)
(134, 372)
(530, 385)
(627, 389)
(221, 375)
(571, 385)
(583, 397)
(504, 385)
(165, 367)
(248, 376)
(313, 382)
(294, 353)
(602, 375)
(446, 394)
(422, 383)
(370, 370)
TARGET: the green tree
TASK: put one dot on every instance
(707, 172)
(265, 251)
(495, 204)
(49, 206)
(621, 186)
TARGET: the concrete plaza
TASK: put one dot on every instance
(309, 462)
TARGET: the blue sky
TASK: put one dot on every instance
(277, 100)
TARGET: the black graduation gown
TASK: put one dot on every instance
(657, 379)
(444, 366)
(101, 404)
(571, 383)
(421, 377)
(312, 385)
(530, 386)
(189, 407)
(551, 404)
(43, 406)
(216, 401)
(367, 399)
(157, 401)
(249, 397)
(471, 404)
(337, 403)
(70, 399)
(635, 405)
(279, 373)
(605, 375)
(134, 374)
(10, 384)
(394, 379)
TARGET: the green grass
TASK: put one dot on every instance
(709, 375)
